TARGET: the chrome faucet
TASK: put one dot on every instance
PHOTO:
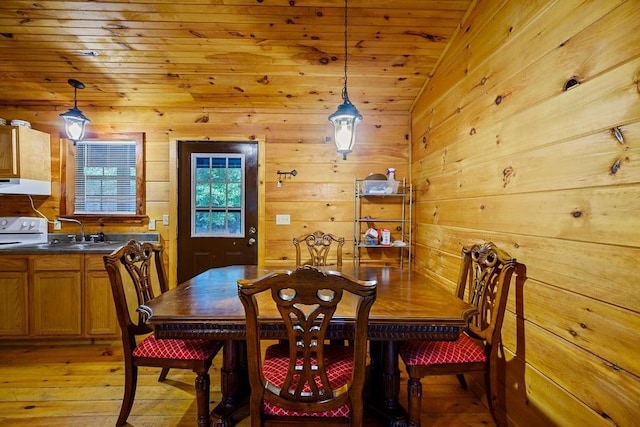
(82, 238)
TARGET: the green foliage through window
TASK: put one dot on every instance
(218, 199)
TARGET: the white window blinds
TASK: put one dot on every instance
(105, 177)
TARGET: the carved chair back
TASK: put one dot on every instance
(146, 277)
(483, 281)
(319, 245)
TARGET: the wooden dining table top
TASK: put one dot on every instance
(409, 305)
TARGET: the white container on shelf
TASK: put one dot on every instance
(374, 187)
(385, 236)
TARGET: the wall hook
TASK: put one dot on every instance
(286, 174)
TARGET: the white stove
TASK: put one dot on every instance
(22, 230)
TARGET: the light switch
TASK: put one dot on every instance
(283, 219)
(152, 224)
(165, 219)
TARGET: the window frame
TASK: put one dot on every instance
(67, 192)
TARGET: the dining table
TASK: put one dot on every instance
(409, 306)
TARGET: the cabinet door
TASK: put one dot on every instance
(56, 308)
(13, 303)
(25, 153)
(8, 152)
(100, 312)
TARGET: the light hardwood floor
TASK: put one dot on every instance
(82, 385)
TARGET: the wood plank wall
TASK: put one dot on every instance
(319, 197)
(501, 152)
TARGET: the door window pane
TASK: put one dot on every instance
(218, 198)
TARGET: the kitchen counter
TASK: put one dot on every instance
(59, 245)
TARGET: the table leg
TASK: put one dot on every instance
(385, 375)
(234, 385)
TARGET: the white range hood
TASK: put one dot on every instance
(25, 186)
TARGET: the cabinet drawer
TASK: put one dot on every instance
(94, 262)
(57, 262)
(14, 263)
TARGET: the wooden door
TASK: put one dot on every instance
(217, 205)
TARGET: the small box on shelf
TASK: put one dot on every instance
(375, 187)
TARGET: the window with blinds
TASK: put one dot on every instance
(105, 177)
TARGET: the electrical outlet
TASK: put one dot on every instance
(165, 219)
(152, 224)
(283, 219)
(57, 225)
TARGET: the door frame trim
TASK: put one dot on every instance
(172, 244)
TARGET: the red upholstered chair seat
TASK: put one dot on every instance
(464, 350)
(176, 349)
(339, 366)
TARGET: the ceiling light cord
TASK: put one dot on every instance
(345, 95)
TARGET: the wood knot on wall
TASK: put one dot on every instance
(572, 82)
(507, 174)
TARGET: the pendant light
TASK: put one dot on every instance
(346, 118)
(74, 121)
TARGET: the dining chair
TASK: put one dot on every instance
(140, 347)
(485, 275)
(306, 380)
(319, 245)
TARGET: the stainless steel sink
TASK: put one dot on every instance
(70, 245)
(76, 245)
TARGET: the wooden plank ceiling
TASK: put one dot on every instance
(247, 54)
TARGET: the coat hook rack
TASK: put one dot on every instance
(286, 174)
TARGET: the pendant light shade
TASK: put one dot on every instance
(345, 121)
(346, 118)
(74, 121)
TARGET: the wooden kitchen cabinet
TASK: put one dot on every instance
(45, 297)
(25, 153)
(100, 312)
(56, 308)
(14, 296)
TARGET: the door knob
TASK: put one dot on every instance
(251, 242)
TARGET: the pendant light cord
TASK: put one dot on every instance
(345, 95)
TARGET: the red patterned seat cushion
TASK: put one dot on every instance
(339, 365)
(175, 349)
(464, 350)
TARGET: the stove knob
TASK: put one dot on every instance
(32, 224)
(4, 222)
(24, 224)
